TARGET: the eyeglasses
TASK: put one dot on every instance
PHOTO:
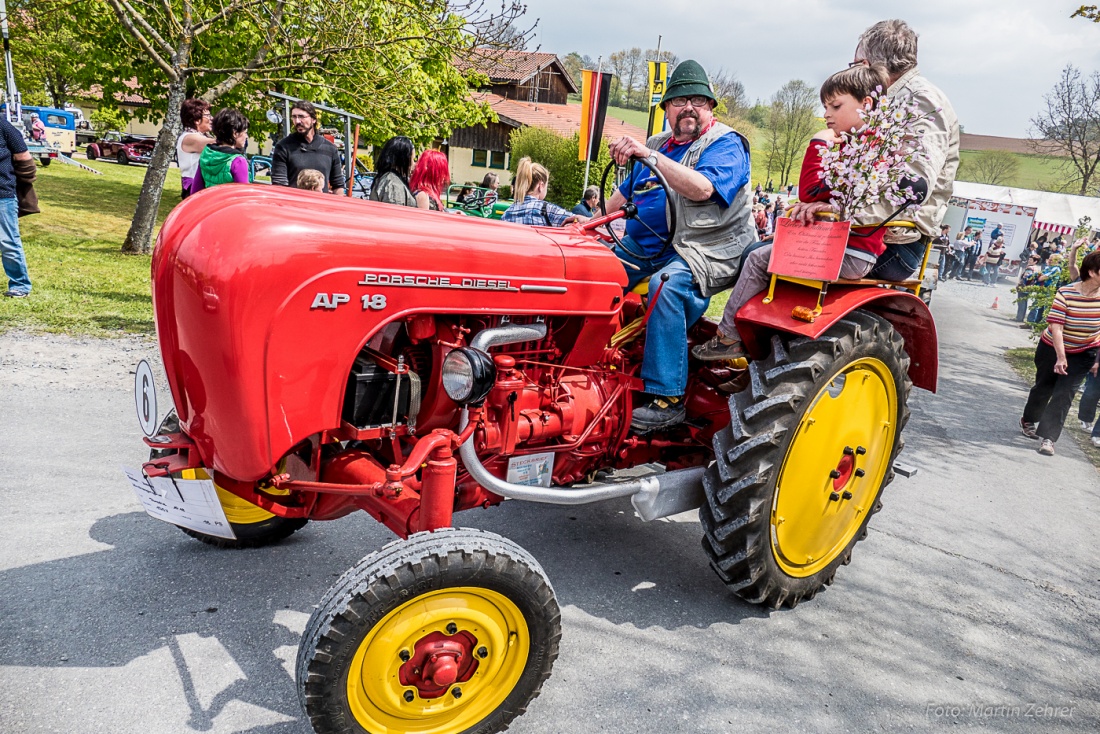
(858, 62)
(696, 101)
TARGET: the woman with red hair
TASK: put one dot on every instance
(429, 178)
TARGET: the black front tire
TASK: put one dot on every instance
(90, 153)
(268, 531)
(381, 588)
(739, 517)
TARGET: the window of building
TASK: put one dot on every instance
(497, 159)
(481, 158)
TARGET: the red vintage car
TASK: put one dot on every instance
(123, 148)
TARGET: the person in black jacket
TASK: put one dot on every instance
(303, 149)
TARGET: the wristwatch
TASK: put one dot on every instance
(651, 159)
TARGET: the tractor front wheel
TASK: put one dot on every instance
(450, 631)
(801, 467)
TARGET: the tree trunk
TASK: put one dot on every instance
(139, 239)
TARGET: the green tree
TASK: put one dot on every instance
(575, 63)
(996, 167)
(1088, 12)
(48, 51)
(791, 123)
(391, 61)
(559, 155)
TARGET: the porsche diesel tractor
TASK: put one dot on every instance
(329, 355)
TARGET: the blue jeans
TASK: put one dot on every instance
(899, 262)
(681, 304)
(1021, 307)
(11, 247)
(1087, 410)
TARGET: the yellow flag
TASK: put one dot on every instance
(658, 75)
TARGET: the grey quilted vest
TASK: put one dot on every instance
(708, 236)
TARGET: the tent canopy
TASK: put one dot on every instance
(1056, 212)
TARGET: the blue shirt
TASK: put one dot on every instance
(530, 211)
(725, 163)
(11, 142)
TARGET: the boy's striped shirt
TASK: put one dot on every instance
(1080, 319)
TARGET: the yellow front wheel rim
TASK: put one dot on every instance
(381, 704)
(834, 467)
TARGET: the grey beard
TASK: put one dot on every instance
(681, 119)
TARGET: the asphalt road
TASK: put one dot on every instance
(974, 602)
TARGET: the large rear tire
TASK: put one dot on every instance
(447, 632)
(801, 467)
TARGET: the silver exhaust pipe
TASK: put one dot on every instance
(653, 497)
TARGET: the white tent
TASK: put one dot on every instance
(1058, 212)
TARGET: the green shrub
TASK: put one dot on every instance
(559, 155)
(104, 119)
(505, 192)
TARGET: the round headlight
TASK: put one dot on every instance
(468, 375)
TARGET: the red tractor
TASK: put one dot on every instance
(333, 355)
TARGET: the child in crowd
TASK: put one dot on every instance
(844, 94)
(310, 180)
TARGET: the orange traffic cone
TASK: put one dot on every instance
(995, 300)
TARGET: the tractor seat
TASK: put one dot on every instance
(642, 289)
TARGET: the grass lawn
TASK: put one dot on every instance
(1022, 360)
(1040, 172)
(82, 283)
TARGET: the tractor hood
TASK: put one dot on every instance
(264, 295)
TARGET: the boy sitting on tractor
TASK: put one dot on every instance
(844, 94)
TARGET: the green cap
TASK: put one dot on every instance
(688, 80)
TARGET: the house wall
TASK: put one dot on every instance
(490, 136)
(463, 170)
(549, 84)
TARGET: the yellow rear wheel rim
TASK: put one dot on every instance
(375, 694)
(237, 510)
(815, 515)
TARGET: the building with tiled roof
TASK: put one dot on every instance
(474, 150)
(523, 75)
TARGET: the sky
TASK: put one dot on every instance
(995, 59)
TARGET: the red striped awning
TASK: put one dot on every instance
(1058, 228)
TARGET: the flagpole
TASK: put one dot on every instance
(592, 122)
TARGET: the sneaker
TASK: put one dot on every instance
(718, 350)
(661, 412)
(1046, 448)
(1095, 441)
(1028, 429)
(12, 293)
(1086, 426)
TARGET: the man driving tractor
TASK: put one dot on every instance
(706, 164)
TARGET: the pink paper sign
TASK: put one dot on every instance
(812, 251)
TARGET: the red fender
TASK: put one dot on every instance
(908, 313)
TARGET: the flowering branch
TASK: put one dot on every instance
(867, 165)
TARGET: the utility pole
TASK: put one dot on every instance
(13, 109)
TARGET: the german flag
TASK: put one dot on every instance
(595, 87)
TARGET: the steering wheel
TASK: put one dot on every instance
(630, 210)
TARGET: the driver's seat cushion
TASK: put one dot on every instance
(642, 289)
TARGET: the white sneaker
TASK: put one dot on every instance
(1086, 426)
(1096, 441)
(1046, 448)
